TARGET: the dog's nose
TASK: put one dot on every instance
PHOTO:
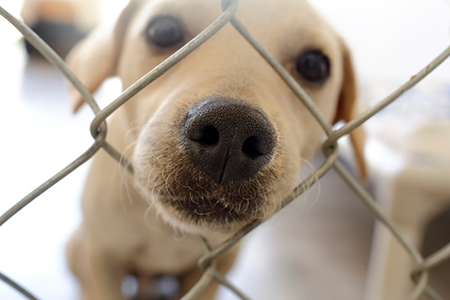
(228, 139)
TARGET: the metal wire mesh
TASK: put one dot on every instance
(330, 149)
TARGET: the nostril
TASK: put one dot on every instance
(209, 136)
(251, 147)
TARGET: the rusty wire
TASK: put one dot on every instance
(207, 262)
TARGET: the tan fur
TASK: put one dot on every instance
(127, 225)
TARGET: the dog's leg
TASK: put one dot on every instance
(190, 278)
(99, 274)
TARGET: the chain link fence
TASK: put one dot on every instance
(98, 130)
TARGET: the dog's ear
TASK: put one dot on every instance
(349, 107)
(95, 58)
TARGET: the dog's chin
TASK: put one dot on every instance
(202, 216)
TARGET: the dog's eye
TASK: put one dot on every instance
(164, 31)
(314, 66)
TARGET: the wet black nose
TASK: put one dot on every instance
(228, 139)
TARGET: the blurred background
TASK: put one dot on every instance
(320, 249)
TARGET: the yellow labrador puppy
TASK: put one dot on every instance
(216, 142)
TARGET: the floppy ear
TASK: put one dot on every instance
(348, 108)
(95, 58)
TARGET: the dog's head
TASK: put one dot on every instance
(222, 138)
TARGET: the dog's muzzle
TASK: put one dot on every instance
(215, 166)
(230, 140)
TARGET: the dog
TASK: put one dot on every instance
(216, 142)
